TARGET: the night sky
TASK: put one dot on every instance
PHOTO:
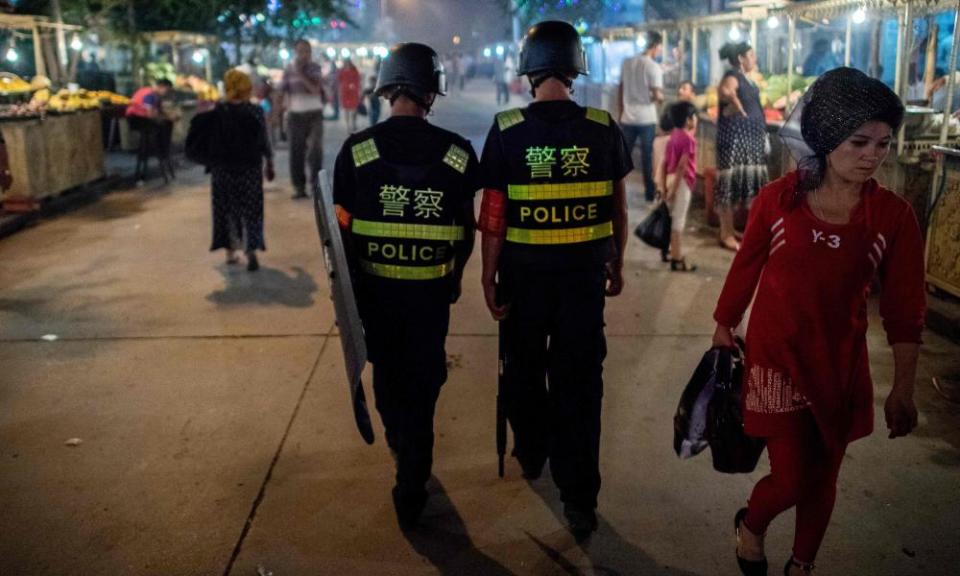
(435, 22)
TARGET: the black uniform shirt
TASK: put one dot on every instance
(403, 140)
(494, 171)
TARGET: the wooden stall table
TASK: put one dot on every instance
(943, 234)
(51, 155)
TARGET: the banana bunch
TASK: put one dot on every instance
(13, 84)
(111, 97)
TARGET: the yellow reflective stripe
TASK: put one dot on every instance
(456, 158)
(561, 236)
(598, 116)
(410, 231)
(567, 191)
(406, 272)
(509, 118)
(365, 152)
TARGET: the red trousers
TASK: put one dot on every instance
(803, 473)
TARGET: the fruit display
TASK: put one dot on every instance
(776, 90)
(21, 111)
(13, 84)
(200, 88)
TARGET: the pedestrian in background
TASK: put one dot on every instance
(370, 94)
(816, 240)
(302, 86)
(237, 171)
(639, 93)
(741, 140)
(349, 81)
(680, 167)
(502, 74)
(554, 233)
(146, 114)
(405, 187)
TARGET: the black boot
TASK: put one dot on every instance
(581, 520)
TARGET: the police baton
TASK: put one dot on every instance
(501, 398)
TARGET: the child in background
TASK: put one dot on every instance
(681, 170)
(659, 155)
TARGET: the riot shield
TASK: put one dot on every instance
(344, 302)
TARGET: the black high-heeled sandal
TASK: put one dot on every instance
(806, 568)
(681, 266)
(747, 567)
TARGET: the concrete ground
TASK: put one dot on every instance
(215, 435)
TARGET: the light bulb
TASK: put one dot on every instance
(345, 53)
(284, 54)
(500, 50)
(860, 16)
(734, 33)
(76, 44)
(773, 22)
(12, 55)
(198, 56)
(331, 52)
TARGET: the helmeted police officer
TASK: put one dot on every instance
(554, 231)
(404, 193)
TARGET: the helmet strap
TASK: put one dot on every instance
(536, 81)
(401, 91)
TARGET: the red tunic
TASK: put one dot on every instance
(349, 80)
(806, 337)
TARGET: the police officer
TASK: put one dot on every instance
(404, 193)
(554, 231)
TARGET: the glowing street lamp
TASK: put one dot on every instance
(500, 50)
(12, 55)
(198, 56)
(76, 44)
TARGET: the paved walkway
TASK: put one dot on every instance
(215, 438)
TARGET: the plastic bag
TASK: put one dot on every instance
(690, 420)
(732, 450)
(655, 228)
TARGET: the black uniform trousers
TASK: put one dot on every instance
(405, 325)
(556, 347)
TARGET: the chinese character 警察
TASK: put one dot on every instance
(426, 203)
(574, 161)
(394, 199)
(541, 160)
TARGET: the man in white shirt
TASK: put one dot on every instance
(640, 90)
(302, 87)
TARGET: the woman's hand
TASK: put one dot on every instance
(900, 412)
(270, 173)
(723, 337)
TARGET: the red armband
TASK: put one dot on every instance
(344, 218)
(493, 212)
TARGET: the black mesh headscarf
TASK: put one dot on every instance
(835, 106)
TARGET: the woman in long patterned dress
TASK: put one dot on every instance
(741, 139)
(237, 173)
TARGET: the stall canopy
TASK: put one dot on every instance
(44, 35)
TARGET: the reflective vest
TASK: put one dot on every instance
(560, 178)
(405, 220)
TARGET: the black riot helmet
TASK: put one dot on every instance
(414, 69)
(552, 47)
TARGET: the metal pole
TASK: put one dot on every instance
(898, 69)
(694, 46)
(846, 42)
(515, 21)
(791, 40)
(38, 52)
(753, 34)
(683, 53)
(904, 65)
(61, 36)
(951, 78)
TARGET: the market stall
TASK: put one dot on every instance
(48, 133)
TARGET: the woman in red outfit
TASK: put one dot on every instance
(815, 240)
(349, 80)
